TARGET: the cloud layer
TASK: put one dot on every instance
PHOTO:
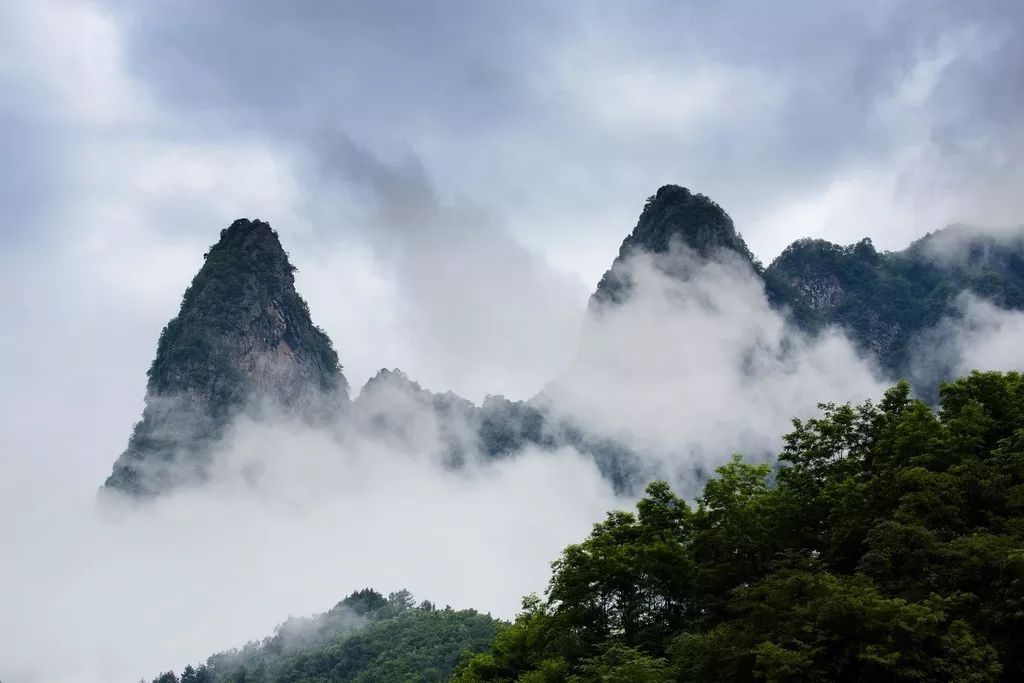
(105, 593)
(686, 372)
(697, 365)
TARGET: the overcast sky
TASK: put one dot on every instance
(452, 178)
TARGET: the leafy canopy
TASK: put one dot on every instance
(887, 544)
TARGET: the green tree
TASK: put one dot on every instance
(887, 543)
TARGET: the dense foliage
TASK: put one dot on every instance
(888, 544)
(366, 637)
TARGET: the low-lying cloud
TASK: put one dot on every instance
(697, 365)
(978, 336)
(293, 519)
(693, 367)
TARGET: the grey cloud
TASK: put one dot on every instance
(696, 365)
(978, 336)
(497, 100)
(377, 64)
(500, 102)
(477, 301)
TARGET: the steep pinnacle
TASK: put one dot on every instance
(672, 215)
(243, 336)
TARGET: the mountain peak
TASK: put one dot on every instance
(252, 235)
(243, 336)
(673, 215)
(675, 212)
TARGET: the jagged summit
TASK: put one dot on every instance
(243, 336)
(673, 214)
(242, 305)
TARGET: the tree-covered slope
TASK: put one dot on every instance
(364, 638)
(883, 299)
(887, 544)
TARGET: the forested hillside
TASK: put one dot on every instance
(365, 637)
(888, 544)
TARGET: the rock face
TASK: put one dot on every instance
(242, 339)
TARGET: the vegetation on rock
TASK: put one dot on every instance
(883, 300)
(673, 216)
(243, 333)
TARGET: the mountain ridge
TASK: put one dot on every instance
(244, 333)
(883, 300)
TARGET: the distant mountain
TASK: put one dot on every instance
(392, 407)
(881, 300)
(243, 337)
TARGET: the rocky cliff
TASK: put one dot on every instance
(243, 339)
